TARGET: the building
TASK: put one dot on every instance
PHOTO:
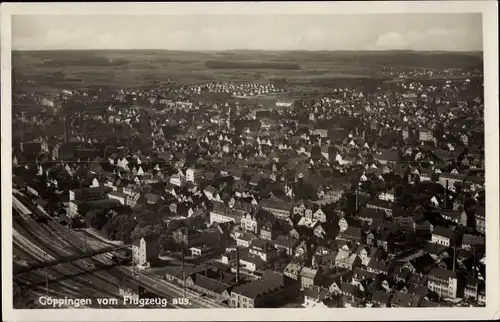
(381, 299)
(269, 231)
(284, 103)
(444, 282)
(249, 222)
(272, 290)
(443, 236)
(369, 215)
(194, 174)
(456, 216)
(244, 240)
(425, 134)
(471, 288)
(205, 285)
(263, 249)
(448, 180)
(89, 194)
(77, 208)
(186, 236)
(473, 242)
(314, 296)
(199, 251)
(480, 220)
(309, 277)
(119, 196)
(344, 259)
(145, 250)
(222, 214)
(278, 208)
(379, 204)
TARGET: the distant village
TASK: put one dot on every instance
(355, 198)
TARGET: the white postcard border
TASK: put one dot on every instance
(490, 46)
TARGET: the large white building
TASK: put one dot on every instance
(443, 282)
(223, 215)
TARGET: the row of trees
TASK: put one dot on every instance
(124, 224)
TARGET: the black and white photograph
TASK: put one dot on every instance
(260, 156)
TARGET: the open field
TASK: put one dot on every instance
(128, 68)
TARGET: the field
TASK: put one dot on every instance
(128, 68)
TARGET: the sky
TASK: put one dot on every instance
(435, 32)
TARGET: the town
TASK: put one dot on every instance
(252, 195)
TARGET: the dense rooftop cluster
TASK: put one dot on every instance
(358, 198)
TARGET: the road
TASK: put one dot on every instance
(43, 241)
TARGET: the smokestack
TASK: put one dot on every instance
(454, 257)
(357, 201)
(446, 196)
(237, 265)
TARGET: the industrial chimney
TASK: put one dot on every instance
(237, 265)
(446, 197)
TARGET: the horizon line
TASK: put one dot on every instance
(263, 50)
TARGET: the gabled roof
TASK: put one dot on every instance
(381, 297)
(444, 232)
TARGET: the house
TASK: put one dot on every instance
(251, 262)
(292, 270)
(387, 195)
(350, 291)
(379, 204)
(314, 296)
(444, 282)
(263, 249)
(401, 299)
(381, 299)
(249, 222)
(269, 231)
(309, 277)
(471, 288)
(117, 195)
(424, 134)
(145, 250)
(422, 226)
(280, 209)
(385, 240)
(378, 266)
(345, 259)
(354, 234)
(366, 253)
(186, 236)
(222, 214)
(194, 174)
(443, 236)
(480, 218)
(244, 239)
(200, 250)
(286, 244)
(210, 192)
(387, 157)
(272, 290)
(346, 222)
(473, 242)
(205, 285)
(368, 215)
(420, 264)
(449, 180)
(458, 217)
(319, 215)
(405, 220)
